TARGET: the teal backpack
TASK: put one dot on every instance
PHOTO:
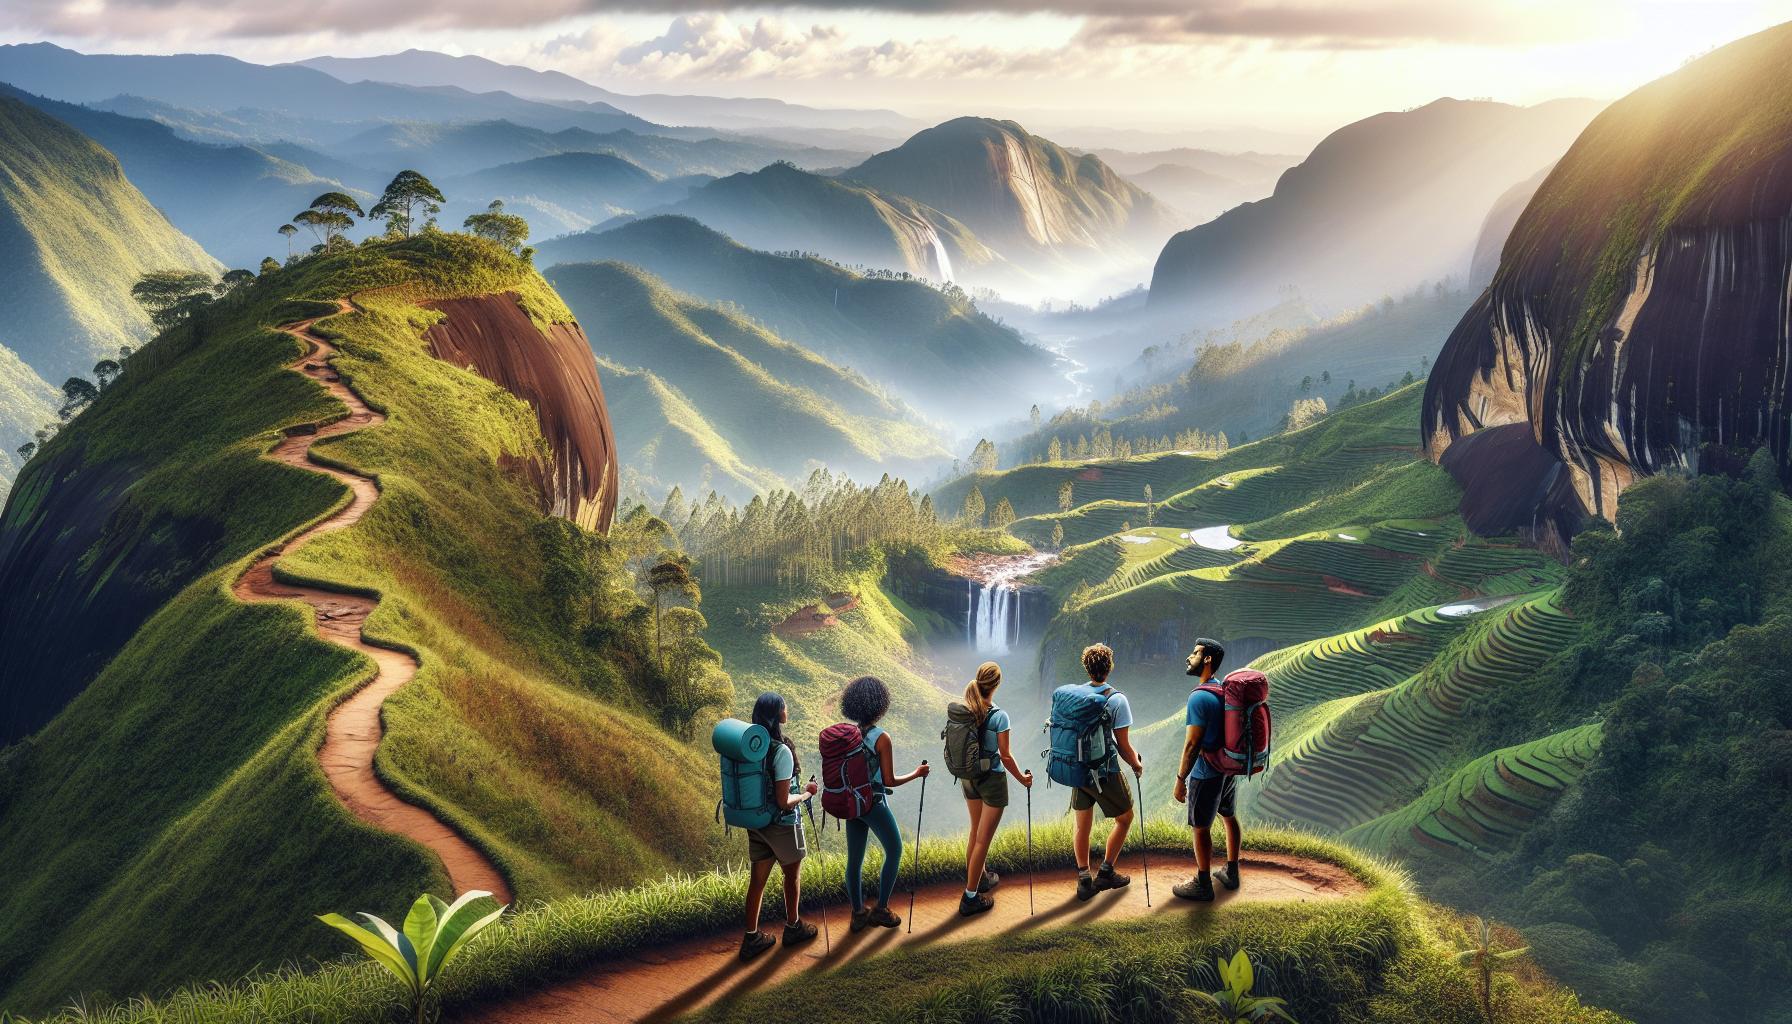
(746, 751)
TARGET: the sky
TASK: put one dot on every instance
(1300, 67)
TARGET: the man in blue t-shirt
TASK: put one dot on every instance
(1111, 793)
(1205, 790)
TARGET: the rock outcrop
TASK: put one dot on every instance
(1641, 316)
(551, 368)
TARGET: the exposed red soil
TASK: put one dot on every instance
(813, 618)
(1382, 636)
(1338, 586)
(353, 729)
(555, 372)
(669, 981)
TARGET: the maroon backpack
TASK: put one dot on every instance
(1244, 704)
(848, 765)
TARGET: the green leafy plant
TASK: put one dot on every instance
(1479, 953)
(433, 933)
(1235, 1003)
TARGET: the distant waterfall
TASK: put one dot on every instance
(941, 261)
(992, 617)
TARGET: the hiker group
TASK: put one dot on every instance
(1226, 737)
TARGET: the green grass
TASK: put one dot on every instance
(184, 775)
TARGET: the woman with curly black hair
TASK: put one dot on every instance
(865, 701)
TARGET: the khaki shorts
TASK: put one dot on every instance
(992, 789)
(1114, 797)
(780, 841)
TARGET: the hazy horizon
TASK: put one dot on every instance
(1221, 71)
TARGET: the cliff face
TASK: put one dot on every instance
(1641, 316)
(1017, 190)
(553, 370)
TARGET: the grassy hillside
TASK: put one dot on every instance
(752, 388)
(935, 350)
(74, 236)
(229, 198)
(184, 774)
(27, 403)
(1382, 955)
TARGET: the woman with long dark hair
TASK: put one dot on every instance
(864, 703)
(780, 841)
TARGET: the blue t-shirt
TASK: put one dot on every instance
(875, 770)
(1206, 710)
(784, 767)
(995, 724)
(1121, 712)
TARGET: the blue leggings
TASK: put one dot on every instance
(882, 820)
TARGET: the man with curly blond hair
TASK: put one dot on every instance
(1109, 790)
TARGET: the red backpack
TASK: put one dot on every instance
(847, 766)
(1244, 703)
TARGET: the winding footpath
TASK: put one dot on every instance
(663, 982)
(353, 729)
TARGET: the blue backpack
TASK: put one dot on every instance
(1082, 734)
(746, 751)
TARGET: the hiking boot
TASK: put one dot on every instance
(798, 933)
(971, 906)
(755, 943)
(883, 918)
(861, 919)
(1107, 878)
(989, 881)
(1228, 875)
(1085, 888)
(1197, 888)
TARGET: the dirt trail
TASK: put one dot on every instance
(668, 981)
(353, 730)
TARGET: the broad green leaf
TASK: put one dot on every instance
(1242, 974)
(465, 936)
(420, 929)
(398, 942)
(1466, 956)
(1512, 954)
(1225, 973)
(455, 924)
(376, 947)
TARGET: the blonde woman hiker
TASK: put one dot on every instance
(976, 736)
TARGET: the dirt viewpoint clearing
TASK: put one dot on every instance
(353, 729)
(668, 981)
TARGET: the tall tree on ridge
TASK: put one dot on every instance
(407, 195)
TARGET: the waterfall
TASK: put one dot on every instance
(992, 623)
(941, 261)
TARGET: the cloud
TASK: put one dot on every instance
(716, 46)
(1339, 23)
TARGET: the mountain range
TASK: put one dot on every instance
(1380, 206)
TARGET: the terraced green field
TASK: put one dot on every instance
(1375, 756)
(1486, 806)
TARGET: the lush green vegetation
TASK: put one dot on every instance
(534, 736)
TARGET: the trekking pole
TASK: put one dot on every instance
(827, 939)
(1144, 847)
(1029, 850)
(914, 880)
